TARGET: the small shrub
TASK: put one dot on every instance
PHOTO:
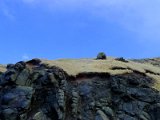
(101, 56)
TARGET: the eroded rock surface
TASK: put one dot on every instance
(35, 91)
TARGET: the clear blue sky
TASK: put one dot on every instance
(56, 29)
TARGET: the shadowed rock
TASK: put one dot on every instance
(49, 93)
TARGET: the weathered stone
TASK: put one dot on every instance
(126, 117)
(101, 116)
(52, 95)
(155, 112)
(40, 116)
(129, 107)
(20, 65)
(117, 87)
(23, 116)
(34, 61)
(10, 66)
(53, 79)
(145, 115)
(61, 99)
(75, 94)
(85, 90)
(143, 94)
(10, 114)
(19, 97)
(108, 111)
(92, 105)
(23, 77)
(63, 85)
(121, 59)
(142, 117)
(98, 104)
(10, 76)
(74, 105)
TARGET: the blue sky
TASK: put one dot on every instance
(56, 29)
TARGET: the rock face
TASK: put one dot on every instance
(153, 61)
(35, 91)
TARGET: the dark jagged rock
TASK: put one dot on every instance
(155, 111)
(20, 65)
(153, 61)
(10, 66)
(121, 59)
(47, 93)
(15, 101)
(34, 61)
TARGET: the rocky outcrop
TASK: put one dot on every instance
(153, 61)
(35, 91)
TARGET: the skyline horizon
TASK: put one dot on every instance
(78, 29)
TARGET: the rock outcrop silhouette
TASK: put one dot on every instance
(34, 90)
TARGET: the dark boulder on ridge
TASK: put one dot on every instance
(34, 61)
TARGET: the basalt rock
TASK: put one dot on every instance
(43, 92)
(121, 59)
(34, 61)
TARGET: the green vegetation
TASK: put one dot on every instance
(101, 56)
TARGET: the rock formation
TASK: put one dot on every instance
(34, 90)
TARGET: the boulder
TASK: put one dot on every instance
(18, 98)
(101, 116)
(121, 59)
(10, 114)
(23, 77)
(154, 111)
(34, 61)
(40, 116)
